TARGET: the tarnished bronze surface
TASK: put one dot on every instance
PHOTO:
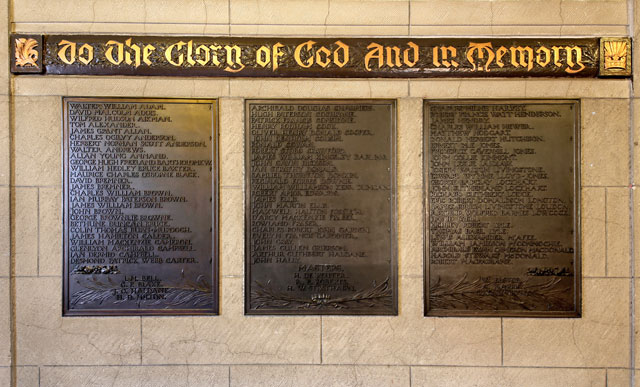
(502, 208)
(320, 207)
(140, 206)
(224, 56)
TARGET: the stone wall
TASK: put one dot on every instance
(598, 349)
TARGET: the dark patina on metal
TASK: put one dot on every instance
(502, 224)
(320, 207)
(140, 206)
(224, 56)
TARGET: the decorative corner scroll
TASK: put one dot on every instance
(27, 54)
(615, 57)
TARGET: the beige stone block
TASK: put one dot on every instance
(231, 337)
(530, 88)
(122, 28)
(231, 142)
(599, 339)
(5, 324)
(635, 65)
(577, 88)
(151, 87)
(637, 323)
(72, 11)
(410, 144)
(526, 30)
(280, 30)
(27, 376)
(45, 337)
(231, 232)
(533, 12)
(319, 376)
(505, 377)
(594, 234)
(165, 11)
(449, 30)
(5, 227)
(26, 231)
(187, 11)
(618, 378)
(37, 141)
(593, 30)
(366, 30)
(305, 88)
(50, 231)
(4, 141)
(4, 46)
(477, 88)
(594, 12)
(434, 88)
(5, 376)
(307, 12)
(311, 12)
(618, 248)
(410, 338)
(446, 12)
(410, 231)
(151, 376)
(636, 139)
(368, 12)
(605, 139)
(636, 234)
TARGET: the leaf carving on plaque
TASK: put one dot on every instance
(480, 294)
(26, 54)
(377, 295)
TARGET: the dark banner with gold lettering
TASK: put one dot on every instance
(320, 57)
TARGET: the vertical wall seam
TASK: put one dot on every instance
(38, 231)
(12, 177)
(606, 233)
(12, 280)
(632, 289)
(409, 18)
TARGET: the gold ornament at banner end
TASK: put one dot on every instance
(26, 54)
(615, 57)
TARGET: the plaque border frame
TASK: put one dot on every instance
(393, 210)
(577, 202)
(215, 207)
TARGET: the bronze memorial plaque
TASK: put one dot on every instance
(320, 207)
(502, 208)
(140, 206)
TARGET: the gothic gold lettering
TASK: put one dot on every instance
(477, 51)
(297, 54)
(67, 53)
(344, 49)
(109, 52)
(375, 53)
(169, 53)
(234, 59)
(85, 53)
(547, 56)
(518, 57)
